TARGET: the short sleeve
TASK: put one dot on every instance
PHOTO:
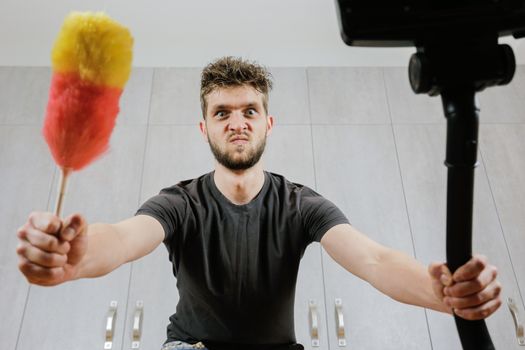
(319, 215)
(168, 208)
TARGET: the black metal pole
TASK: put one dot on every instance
(461, 111)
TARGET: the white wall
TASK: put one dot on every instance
(192, 32)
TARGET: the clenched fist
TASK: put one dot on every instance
(50, 250)
(472, 292)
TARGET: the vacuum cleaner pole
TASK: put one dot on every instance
(461, 159)
(457, 71)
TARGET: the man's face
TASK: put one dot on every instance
(236, 126)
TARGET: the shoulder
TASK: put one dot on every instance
(279, 181)
(186, 187)
(294, 195)
(175, 196)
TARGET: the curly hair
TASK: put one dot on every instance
(232, 72)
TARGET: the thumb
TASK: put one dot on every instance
(434, 269)
(75, 231)
(73, 226)
(440, 276)
(446, 275)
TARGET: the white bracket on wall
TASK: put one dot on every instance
(110, 325)
(520, 333)
(314, 323)
(137, 324)
(340, 322)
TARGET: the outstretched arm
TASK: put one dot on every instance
(111, 245)
(473, 291)
(52, 252)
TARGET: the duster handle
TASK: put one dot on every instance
(64, 174)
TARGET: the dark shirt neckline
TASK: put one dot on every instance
(217, 194)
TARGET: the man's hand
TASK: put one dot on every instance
(472, 292)
(49, 249)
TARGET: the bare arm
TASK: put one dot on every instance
(52, 252)
(392, 272)
(472, 292)
(111, 245)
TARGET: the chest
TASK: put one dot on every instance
(243, 252)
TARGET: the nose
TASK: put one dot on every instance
(237, 122)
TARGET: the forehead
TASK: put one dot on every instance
(235, 96)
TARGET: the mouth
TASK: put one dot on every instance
(237, 140)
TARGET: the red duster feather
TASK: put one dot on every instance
(91, 64)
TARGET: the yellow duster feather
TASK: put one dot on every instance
(94, 46)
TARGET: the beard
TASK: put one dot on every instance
(241, 158)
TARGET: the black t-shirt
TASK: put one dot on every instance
(236, 265)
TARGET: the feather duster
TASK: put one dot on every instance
(91, 62)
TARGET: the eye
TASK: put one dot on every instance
(220, 114)
(251, 112)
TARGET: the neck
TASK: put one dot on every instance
(239, 186)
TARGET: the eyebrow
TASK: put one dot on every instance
(226, 106)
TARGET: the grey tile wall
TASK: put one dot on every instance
(23, 95)
(26, 173)
(356, 135)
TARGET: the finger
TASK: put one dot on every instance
(471, 269)
(45, 242)
(491, 292)
(480, 312)
(73, 225)
(462, 289)
(46, 222)
(40, 275)
(40, 257)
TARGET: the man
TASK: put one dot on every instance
(235, 237)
